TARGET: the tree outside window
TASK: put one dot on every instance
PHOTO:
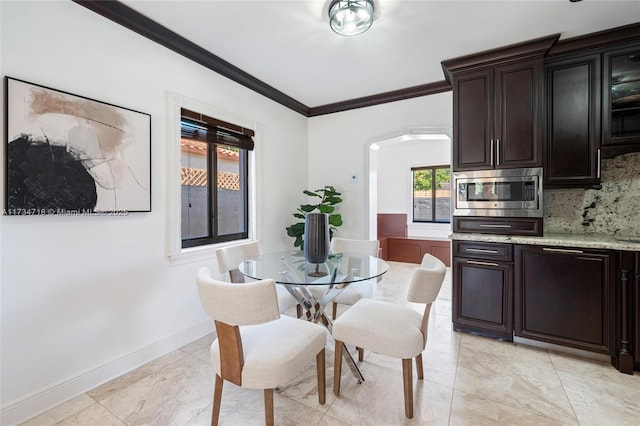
(432, 194)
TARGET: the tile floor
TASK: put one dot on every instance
(468, 380)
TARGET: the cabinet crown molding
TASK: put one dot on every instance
(514, 52)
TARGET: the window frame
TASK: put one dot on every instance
(433, 194)
(176, 255)
(209, 134)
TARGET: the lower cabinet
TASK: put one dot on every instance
(482, 288)
(636, 312)
(565, 296)
(627, 355)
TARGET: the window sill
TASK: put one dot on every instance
(198, 254)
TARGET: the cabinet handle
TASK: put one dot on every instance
(474, 250)
(491, 154)
(497, 152)
(555, 250)
(598, 172)
(488, 225)
(475, 262)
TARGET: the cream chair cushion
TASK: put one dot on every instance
(231, 256)
(361, 289)
(271, 357)
(381, 327)
(426, 281)
(356, 291)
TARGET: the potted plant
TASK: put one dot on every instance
(328, 198)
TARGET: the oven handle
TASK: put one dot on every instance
(488, 225)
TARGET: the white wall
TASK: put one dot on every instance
(394, 170)
(394, 164)
(85, 298)
(339, 144)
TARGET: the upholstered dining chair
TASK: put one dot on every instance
(231, 256)
(392, 330)
(361, 289)
(256, 347)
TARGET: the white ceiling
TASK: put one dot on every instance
(289, 45)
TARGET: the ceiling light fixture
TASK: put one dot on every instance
(350, 17)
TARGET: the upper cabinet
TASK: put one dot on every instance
(497, 106)
(572, 106)
(621, 97)
(592, 104)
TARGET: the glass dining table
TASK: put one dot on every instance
(316, 285)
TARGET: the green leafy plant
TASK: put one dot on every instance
(329, 198)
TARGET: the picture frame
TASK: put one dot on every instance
(67, 154)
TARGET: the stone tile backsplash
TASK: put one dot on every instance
(613, 210)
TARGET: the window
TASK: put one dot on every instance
(432, 194)
(214, 180)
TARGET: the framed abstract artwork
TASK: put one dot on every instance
(67, 154)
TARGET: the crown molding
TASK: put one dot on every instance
(597, 40)
(382, 98)
(137, 22)
(537, 47)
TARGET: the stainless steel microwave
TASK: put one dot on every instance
(502, 192)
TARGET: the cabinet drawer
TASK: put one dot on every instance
(480, 250)
(497, 225)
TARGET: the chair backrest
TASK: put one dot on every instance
(345, 245)
(230, 257)
(246, 304)
(426, 280)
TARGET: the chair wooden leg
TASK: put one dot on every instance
(360, 354)
(322, 385)
(334, 312)
(419, 367)
(407, 378)
(268, 407)
(217, 397)
(299, 310)
(337, 368)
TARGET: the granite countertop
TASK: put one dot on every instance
(628, 243)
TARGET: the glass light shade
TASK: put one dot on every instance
(350, 17)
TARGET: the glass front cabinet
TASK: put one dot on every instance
(621, 100)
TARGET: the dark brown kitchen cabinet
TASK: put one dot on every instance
(621, 97)
(565, 296)
(627, 355)
(572, 122)
(497, 117)
(635, 297)
(482, 289)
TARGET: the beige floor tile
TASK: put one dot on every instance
(172, 394)
(602, 402)
(62, 411)
(469, 380)
(469, 409)
(513, 375)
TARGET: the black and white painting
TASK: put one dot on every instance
(67, 154)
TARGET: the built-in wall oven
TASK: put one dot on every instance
(500, 193)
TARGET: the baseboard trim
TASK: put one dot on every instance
(21, 410)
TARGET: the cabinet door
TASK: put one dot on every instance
(518, 109)
(473, 121)
(635, 292)
(572, 122)
(621, 97)
(482, 297)
(565, 296)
